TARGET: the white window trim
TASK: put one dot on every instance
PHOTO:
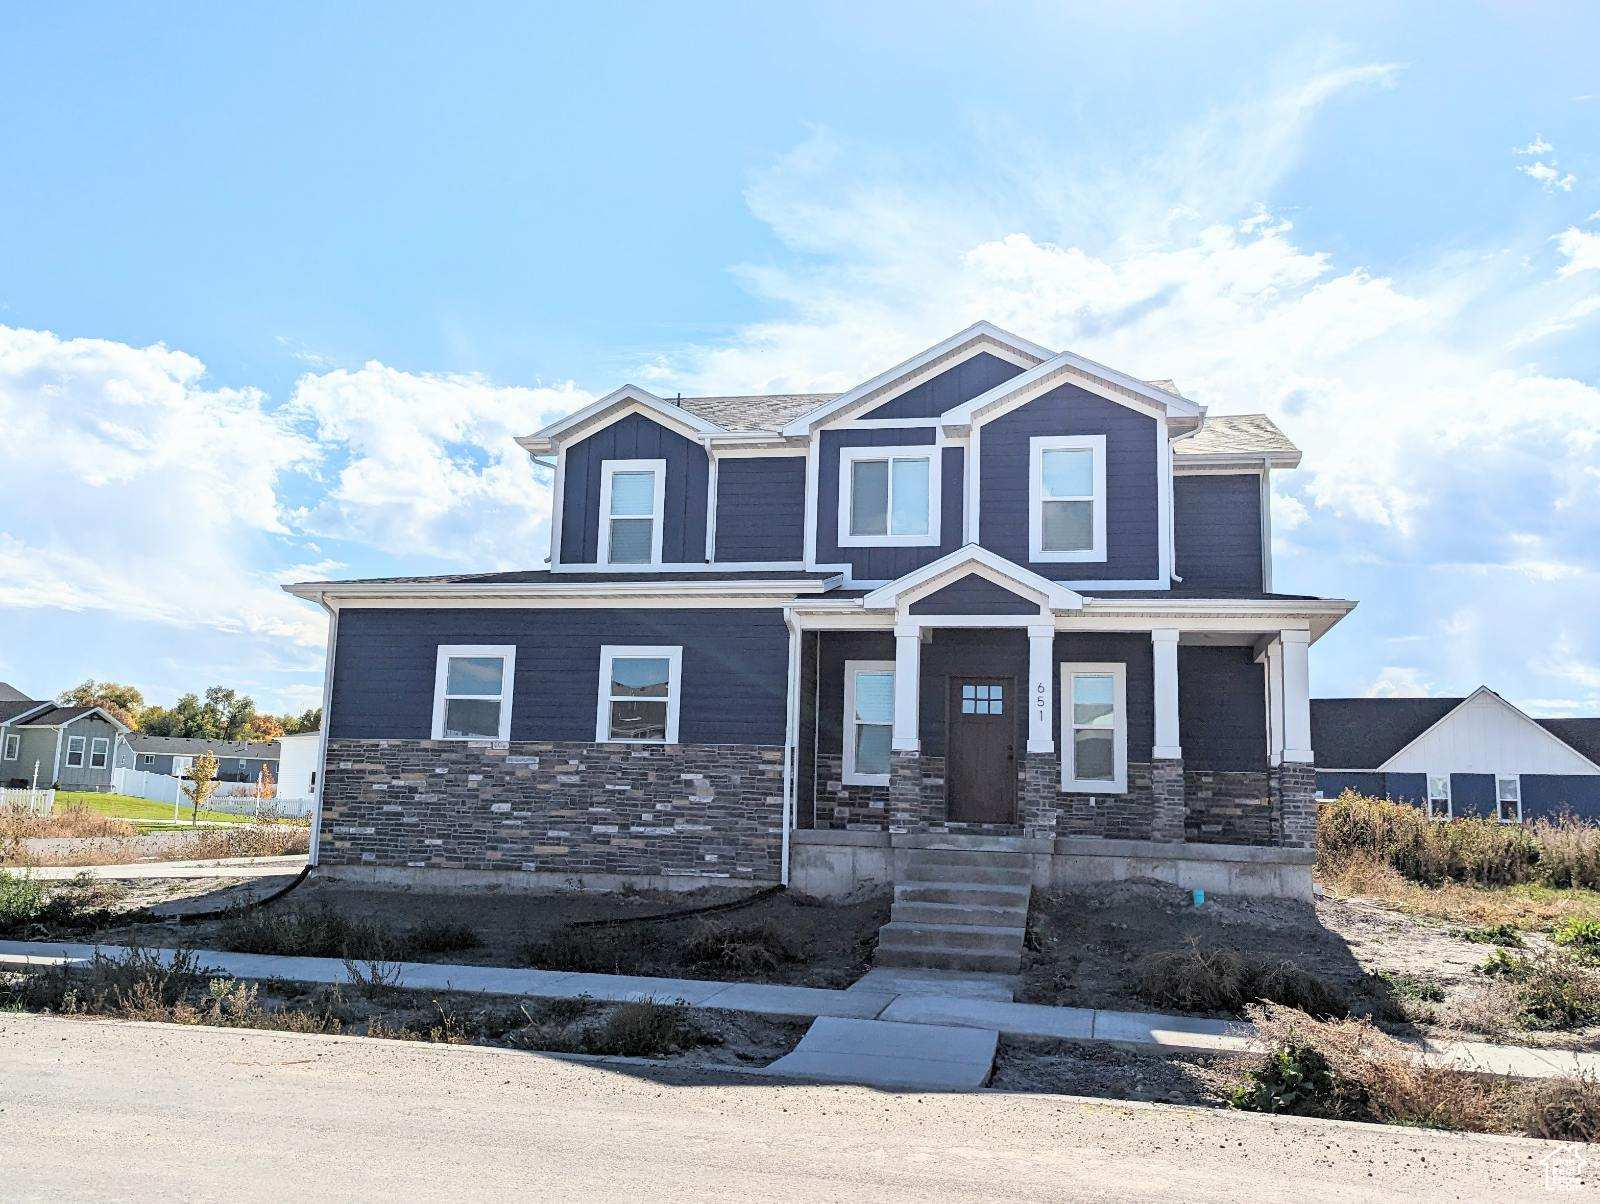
(1037, 446)
(1508, 777)
(508, 653)
(672, 653)
(849, 456)
(1118, 783)
(1449, 799)
(851, 668)
(609, 469)
(100, 747)
(75, 748)
(182, 763)
(13, 748)
(147, 758)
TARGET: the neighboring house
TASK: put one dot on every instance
(1477, 755)
(994, 592)
(237, 760)
(297, 765)
(70, 747)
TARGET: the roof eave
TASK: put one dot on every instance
(321, 591)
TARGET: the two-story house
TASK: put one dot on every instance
(996, 596)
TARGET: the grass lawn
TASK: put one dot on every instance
(138, 810)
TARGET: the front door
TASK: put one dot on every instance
(981, 750)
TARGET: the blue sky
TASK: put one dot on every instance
(278, 284)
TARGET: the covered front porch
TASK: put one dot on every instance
(984, 702)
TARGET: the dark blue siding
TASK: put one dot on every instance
(956, 652)
(683, 527)
(1135, 652)
(1132, 518)
(806, 759)
(1407, 787)
(1218, 528)
(735, 665)
(834, 648)
(1548, 795)
(949, 389)
(1401, 787)
(884, 564)
(1471, 794)
(1222, 709)
(761, 508)
(973, 595)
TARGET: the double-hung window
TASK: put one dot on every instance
(1067, 498)
(868, 721)
(75, 746)
(99, 752)
(147, 759)
(13, 748)
(639, 694)
(1508, 799)
(632, 493)
(472, 691)
(1439, 796)
(888, 496)
(1094, 728)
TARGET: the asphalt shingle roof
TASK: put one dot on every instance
(546, 577)
(55, 717)
(185, 746)
(1234, 434)
(1363, 733)
(10, 693)
(11, 708)
(1580, 734)
(763, 412)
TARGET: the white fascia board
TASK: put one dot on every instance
(514, 594)
(978, 330)
(1106, 382)
(1190, 464)
(546, 439)
(1473, 697)
(971, 557)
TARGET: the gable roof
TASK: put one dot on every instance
(10, 693)
(16, 708)
(1367, 733)
(185, 746)
(1581, 735)
(977, 561)
(1110, 383)
(61, 716)
(619, 401)
(755, 412)
(1235, 436)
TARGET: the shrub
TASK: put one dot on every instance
(441, 936)
(585, 950)
(1298, 1080)
(741, 950)
(1564, 1109)
(26, 905)
(1555, 990)
(1418, 987)
(1505, 935)
(305, 932)
(645, 1029)
(21, 902)
(1580, 935)
(1225, 980)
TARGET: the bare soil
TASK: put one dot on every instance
(1113, 1072)
(832, 942)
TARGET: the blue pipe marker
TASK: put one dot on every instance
(1199, 898)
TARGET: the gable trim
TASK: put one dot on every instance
(1445, 718)
(977, 561)
(629, 399)
(1067, 368)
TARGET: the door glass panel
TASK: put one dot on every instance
(633, 493)
(1092, 755)
(1068, 526)
(473, 675)
(910, 515)
(869, 497)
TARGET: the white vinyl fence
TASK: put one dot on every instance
(40, 802)
(236, 798)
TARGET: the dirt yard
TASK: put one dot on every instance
(1111, 1072)
(787, 938)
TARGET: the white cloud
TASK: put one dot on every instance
(1548, 176)
(1582, 250)
(1398, 681)
(1537, 147)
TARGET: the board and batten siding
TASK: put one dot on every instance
(761, 508)
(735, 667)
(885, 564)
(1222, 708)
(1487, 736)
(974, 595)
(635, 437)
(1132, 483)
(968, 379)
(1217, 525)
(36, 751)
(91, 728)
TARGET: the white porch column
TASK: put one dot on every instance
(1041, 687)
(1164, 641)
(1274, 674)
(907, 672)
(1296, 696)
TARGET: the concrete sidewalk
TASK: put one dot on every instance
(218, 867)
(1142, 1029)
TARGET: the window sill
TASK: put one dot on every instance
(472, 739)
(1076, 787)
(657, 743)
(1093, 556)
(888, 541)
(865, 779)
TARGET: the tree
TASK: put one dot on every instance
(308, 720)
(201, 783)
(230, 711)
(263, 728)
(125, 702)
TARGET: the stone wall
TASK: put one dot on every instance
(842, 807)
(1228, 807)
(1297, 801)
(686, 810)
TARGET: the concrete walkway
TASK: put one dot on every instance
(218, 867)
(907, 1007)
(893, 1057)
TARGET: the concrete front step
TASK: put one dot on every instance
(969, 961)
(973, 894)
(959, 913)
(996, 937)
(1006, 860)
(976, 872)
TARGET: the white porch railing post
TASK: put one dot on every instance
(907, 672)
(1041, 687)
(1164, 641)
(1296, 697)
(1274, 667)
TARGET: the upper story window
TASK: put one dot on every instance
(868, 721)
(99, 752)
(1438, 796)
(631, 501)
(639, 693)
(1067, 498)
(1508, 800)
(888, 496)
(1094, 728)
(472, 691)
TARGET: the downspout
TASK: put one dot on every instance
(791, 739)
(1172, 492)
(313, 853)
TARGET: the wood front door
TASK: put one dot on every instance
(981, 750)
